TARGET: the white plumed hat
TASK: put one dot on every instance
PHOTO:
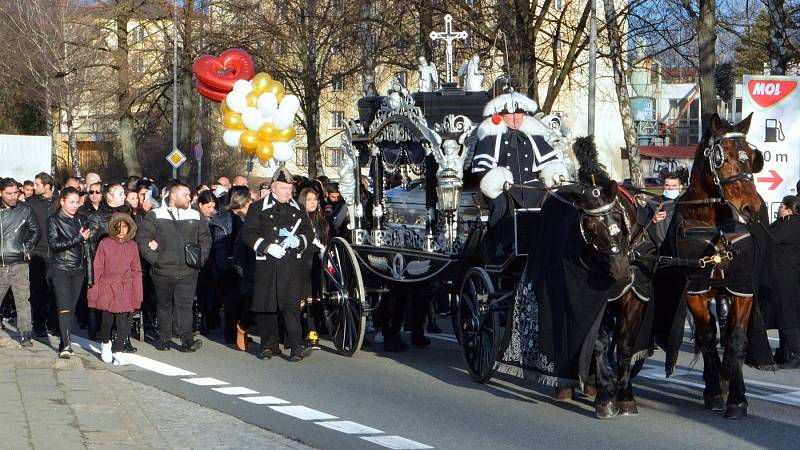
(509, 103)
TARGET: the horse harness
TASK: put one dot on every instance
(716, 157)
(604, 214)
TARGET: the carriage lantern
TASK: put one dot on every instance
(449, 190)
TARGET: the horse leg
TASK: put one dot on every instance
(735, 353)
(631, 318)
(705, 335)
(605, 404)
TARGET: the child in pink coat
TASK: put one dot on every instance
(117, 289)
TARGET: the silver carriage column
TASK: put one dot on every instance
(450, 157)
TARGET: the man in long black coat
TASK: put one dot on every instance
(281, 235)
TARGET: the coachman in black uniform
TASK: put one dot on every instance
(280, 233)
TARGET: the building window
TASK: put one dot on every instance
(402, 78)
(338, 85)
(334, 156)
(336, 119)
(301, 157)
(137, 63)
(137, 35)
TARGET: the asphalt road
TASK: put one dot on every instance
(423, 398)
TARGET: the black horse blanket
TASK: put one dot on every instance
(739, 276)
(560, 304)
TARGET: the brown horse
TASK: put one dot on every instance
(717, 234)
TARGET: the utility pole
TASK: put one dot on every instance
(592, 67)
(174, 83)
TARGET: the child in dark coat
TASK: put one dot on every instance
(117, 290)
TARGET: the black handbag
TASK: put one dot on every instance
(192, 252)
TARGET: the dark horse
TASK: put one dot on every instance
(613, 298)
(715, 225)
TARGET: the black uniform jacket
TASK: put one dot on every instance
(279, 283)
(779, 291)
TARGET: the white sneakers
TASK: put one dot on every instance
(120, 360)
(105, 352)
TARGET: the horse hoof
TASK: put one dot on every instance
(714, 402)
(606, 411)
(628, 408)
(590, 390)
(564, 393)
(736, 411)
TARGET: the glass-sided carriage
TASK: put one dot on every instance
(423, 231)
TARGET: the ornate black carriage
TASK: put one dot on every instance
(424, 228)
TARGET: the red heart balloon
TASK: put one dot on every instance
(204, 90)
(218, 74)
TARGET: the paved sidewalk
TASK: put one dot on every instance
(51, 403)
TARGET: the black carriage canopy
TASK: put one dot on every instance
(560, 303)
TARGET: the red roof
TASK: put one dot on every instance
(668, 151)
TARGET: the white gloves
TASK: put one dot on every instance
(276, 251)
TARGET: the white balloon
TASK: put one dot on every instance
(290, 103)
(282, 151)
(231, 137)
(251, 118)
(243, 87)
(236, 101)
(282, 118)
(267, 104)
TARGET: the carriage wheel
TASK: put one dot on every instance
(344, 297)
(478, 327)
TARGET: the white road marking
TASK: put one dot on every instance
(302, 413)
(395, 442)
(138, 360)
(790, 398)
(688, 328)
(205, 381)
(235, 390)
(264, 400)
(349, 427)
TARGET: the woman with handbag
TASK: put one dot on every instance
(67, 235)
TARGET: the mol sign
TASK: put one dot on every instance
(775, 130)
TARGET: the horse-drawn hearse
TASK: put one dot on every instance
(558, 290)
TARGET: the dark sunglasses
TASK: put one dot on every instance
(94, 192)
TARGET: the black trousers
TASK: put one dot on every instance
(226, 291)
(67, 287)
(790, 341)
(123, 322)
(43, 302)
(177, 294)
(268, 328)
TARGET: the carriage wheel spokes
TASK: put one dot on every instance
(478, 326)
(344, 296)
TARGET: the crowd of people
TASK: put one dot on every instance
(183, 260)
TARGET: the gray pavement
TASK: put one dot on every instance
(50, 403)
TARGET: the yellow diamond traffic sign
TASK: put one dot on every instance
(176, 158)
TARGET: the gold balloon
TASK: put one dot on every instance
(267, 132)
(249, 141)
(252, 99)
(233, 121)
(286, 134)
(276, 88)
(260, 82)
(264, 151)
(223, 108)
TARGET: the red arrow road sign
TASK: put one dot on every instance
(775, 179)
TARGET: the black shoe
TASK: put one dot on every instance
(265, 354)
(162, 345)
(127, 347)
(40, 333)
(779, 356)
(65, 351)
(434, 328)
(420, 341)
(26, 340)
(793, 362)
(191, 346)
(394, 344)
(299, 352)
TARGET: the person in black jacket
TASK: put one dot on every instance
(780, 290)
(281, 235)
(67, 235)
(19, 234)
(44, 204)
(167, 236)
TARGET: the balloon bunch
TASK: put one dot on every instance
(257, 114)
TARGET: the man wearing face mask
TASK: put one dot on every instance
(665, 209)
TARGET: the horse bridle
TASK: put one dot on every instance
(716, 157)
(604, 213)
